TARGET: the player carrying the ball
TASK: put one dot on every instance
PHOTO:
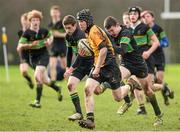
(105, 67)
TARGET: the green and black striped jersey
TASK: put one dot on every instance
(29, 36)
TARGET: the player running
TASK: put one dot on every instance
(24, 55)
(82, 65)
(105, 67)
(143, 34)
(159, 57)
(58, 47)
(34, 40)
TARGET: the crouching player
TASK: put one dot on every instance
(35, 40)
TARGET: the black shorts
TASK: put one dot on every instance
(56, 50)
(81, 71)
(150, 64)
(140, 70)
(24, 57)
(159, 61)
(109, 73)
(39, 57)
(83, 68)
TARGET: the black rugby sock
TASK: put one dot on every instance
(38, 92)
(76, 101)
(155, 105)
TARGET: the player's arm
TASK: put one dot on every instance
(23, 44)
(164, 42)
(122, 47)
(101, 59)
(49, 39)
(154, 44)
(58, 34)
(69, 55)
(98, 39)
(77, 61)
(102, 55)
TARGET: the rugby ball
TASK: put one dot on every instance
(83, 44)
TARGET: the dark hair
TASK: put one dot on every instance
(149, 12)
(69, 19)
(109, 22)
(86, 16)
(135, 9)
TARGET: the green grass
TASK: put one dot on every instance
(15, 114)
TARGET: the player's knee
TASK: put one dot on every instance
(159, 80)
(117, 99)
(71, 86)
(149, 93)
(52, 62)
(98, 91)
(88, 91)
(24, 72)
(38, 78)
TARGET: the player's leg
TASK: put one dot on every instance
(139, 95)
(90, 86)
(38, 74)
(72, 84)
(63, 62)
(122, 91)
(141, 74)
(125, 74)
(152, 98)
(165, 90)
(159, 82)
(158, 85)
(24, 71)
(48, 82)
(52, 65)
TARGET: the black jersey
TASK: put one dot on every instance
(162, 38)
(142, 33)
(38, 54)
(29, 36)
(126, 40)
(20, 33)
(24, 54)
(72, 40)
(57, 27)
(72, 47)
